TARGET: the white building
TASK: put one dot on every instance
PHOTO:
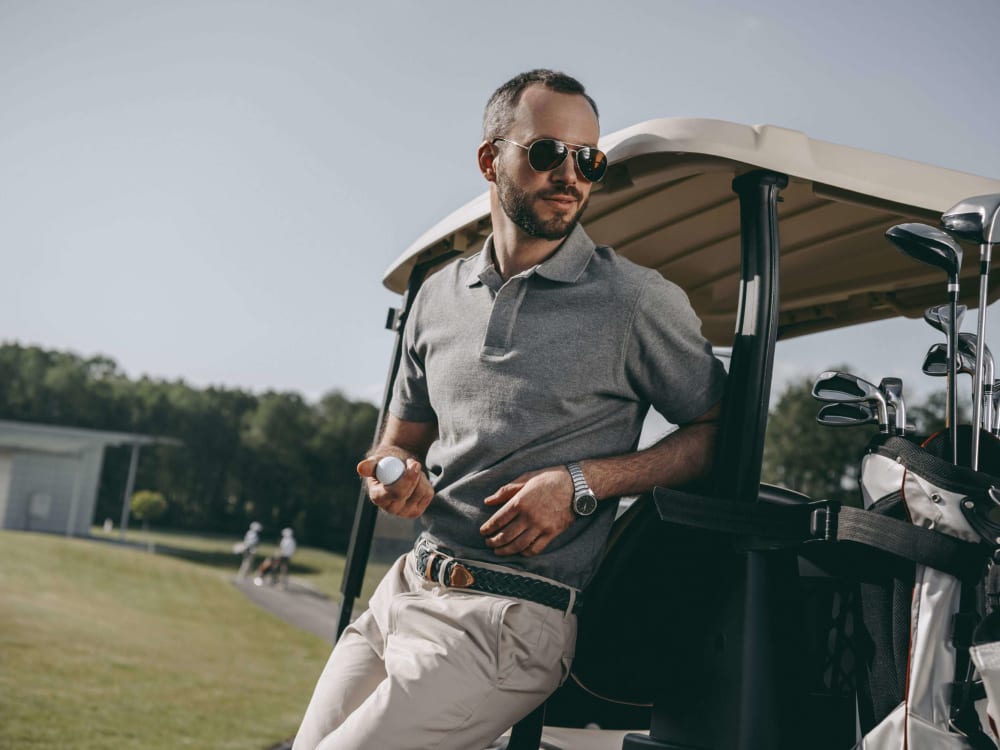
(49, 475)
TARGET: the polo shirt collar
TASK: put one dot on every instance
(566, 264)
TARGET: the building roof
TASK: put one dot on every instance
(46, 438)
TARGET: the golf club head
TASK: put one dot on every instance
(936, 361)
(843, 387)
(939, 317)
(929, 245)
(841, 414)
(967, 343)
(893, 390)
(975, 219)
(891, 387)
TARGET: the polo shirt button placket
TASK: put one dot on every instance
(503, 317)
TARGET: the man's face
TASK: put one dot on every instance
(545, 205)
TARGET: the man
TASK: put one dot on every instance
(248, 548)
(526, 374)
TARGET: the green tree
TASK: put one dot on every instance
(242, 456)
(147, 505)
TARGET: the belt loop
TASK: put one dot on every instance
(429, 567)
(572, 603)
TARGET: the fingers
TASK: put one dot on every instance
(413, 505)
(504, 494)
(520, 539)
(537, 546)
(521, 545)
(408, 496)
(367, 467)
(508, 534)
(501, 518)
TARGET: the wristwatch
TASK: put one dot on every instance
(584, 502)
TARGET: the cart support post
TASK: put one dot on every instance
(738, 703)
(366, 513)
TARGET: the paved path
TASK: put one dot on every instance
(299, 604)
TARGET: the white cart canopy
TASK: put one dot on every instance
(667, 203)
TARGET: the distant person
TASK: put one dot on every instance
(277, 564)
(287, 547)
(249, 548)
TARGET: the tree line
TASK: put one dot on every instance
(271, 457)
(278, 459)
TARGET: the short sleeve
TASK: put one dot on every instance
(409, 393)
(667, 360)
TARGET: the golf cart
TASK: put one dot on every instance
(708, 638)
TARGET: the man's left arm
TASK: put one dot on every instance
(535, 507)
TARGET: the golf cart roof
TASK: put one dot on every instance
(667, 203)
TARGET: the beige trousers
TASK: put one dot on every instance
(430, 667)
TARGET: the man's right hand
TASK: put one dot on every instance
(407, 497)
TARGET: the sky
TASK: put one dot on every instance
(212, 190)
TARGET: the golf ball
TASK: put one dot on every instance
(389, 469)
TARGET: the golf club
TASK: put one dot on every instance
(996, 408)
(977, 219)
(936, 248)
(843, 387)
(893, 390)
(839, 414)
(939, 317)
(968, 343)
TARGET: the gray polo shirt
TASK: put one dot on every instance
(557, 364)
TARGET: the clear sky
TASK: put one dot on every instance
(212, 190)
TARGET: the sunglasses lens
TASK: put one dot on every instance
(593, 163)
(546, 154)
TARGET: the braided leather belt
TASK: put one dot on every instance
(436, 566)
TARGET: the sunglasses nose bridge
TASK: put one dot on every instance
(568, 166)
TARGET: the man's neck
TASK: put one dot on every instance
(514, 252)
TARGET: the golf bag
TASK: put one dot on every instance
(927, 630)
(917, 688)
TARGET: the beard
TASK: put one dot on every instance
(518, 205)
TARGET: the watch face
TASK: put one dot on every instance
(584, 504)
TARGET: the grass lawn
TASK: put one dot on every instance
(106, 646)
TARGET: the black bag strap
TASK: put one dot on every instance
(767, 526)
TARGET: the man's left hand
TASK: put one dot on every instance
(535, 510)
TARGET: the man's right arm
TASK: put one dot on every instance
(410, 495)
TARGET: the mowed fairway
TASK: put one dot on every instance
(103, 646)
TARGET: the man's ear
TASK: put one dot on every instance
(486, 156)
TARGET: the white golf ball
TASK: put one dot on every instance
(389, 469)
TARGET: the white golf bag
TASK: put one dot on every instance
(920, 619)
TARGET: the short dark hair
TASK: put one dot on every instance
(500, 108)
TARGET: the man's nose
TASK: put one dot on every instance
(566, 172)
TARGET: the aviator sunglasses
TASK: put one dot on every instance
(546, 154)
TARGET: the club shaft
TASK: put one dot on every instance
(977, 383)
(987, 399)
(951, 413)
